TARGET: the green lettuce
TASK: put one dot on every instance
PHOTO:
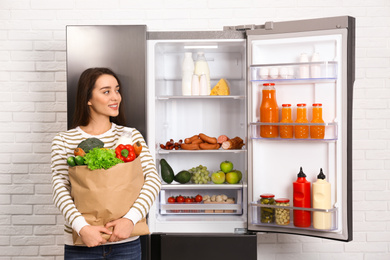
(101, 158)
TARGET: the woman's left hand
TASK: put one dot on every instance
(122, 229)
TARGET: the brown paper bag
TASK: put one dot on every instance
(102, 195)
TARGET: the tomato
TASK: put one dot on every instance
(171, 200)
(192, 199)
(198, 198)
(180, 199)
(188, 200)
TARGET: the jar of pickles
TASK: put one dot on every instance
(267, 215)
(282, 215)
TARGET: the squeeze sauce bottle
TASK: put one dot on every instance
(301, 198)
(269, 111)
(321, 200)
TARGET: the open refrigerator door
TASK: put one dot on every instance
(304, 67)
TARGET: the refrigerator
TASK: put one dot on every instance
(247, 57)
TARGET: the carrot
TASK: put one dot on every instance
(79, 151)
(137, 148)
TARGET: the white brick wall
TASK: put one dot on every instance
(33, 109)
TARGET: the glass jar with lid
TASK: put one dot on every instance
(267, 215)
(282, 215)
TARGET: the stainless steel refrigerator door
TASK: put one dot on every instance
(119, 47)
(338, 147)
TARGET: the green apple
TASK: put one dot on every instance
(239, 174)
(226, 166)
(218, 177)
(232, 177)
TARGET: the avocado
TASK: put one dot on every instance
(166, 171)
(183, 177)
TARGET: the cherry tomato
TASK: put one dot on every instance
(188, 200)
(198, 198)
(193, 199)
(180, 199)
(171, 200)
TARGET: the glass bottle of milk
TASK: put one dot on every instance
(187, 71)
(201, 67)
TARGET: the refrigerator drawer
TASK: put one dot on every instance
(212, 199)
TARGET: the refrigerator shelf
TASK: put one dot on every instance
(209, 186)
(220, 150)
(330, 131)
(205, 97)
(322, 71)
(257, 218)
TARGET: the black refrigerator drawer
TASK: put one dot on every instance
(201, 246)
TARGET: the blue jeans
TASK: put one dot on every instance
(124, 251)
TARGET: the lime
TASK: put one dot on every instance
(79, 160)
(71, 161)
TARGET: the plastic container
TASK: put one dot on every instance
(322, 200)
(267, 215)
(301, 131)
(269, 111)
(286, 131)
(302, 198)
(317, 132)
(202, 67)
(203, 88)
(282, 215)
(195, 85)
(187, 72)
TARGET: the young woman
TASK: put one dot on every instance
(99, 114)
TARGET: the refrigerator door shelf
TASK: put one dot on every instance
(330, 131)
(256, 207)
(295, 72)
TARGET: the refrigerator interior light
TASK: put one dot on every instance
(201, 47)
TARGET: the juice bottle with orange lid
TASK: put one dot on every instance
(301, 131)
(269, 111)
(317, 132)
(286, 131)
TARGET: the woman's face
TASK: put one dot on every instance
(105, 98)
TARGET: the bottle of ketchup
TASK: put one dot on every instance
(301, 198)
(269, 111)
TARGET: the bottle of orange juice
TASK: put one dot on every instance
(269, 111)
(286, 131)
(301, 131)
(317, 132)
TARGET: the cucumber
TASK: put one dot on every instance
(166, 171)
(183, 177)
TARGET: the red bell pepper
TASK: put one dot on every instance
(125, 152)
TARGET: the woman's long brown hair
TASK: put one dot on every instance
(86, 84)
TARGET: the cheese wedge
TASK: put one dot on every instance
(221, 89)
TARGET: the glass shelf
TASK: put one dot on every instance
(330, 131)
(181, 151)
(324, 71)
(162, 98)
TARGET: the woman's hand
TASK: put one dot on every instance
(122, 229)
(91, 235)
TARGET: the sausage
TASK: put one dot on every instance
(197, 141)
(190, 146)
(222, 138)
(207, 146)
(208, 139)
(190, 139)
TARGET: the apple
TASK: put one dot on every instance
(226, 166)
(218, 177)
(232, 177)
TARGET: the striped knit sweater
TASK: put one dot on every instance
(63, 146)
